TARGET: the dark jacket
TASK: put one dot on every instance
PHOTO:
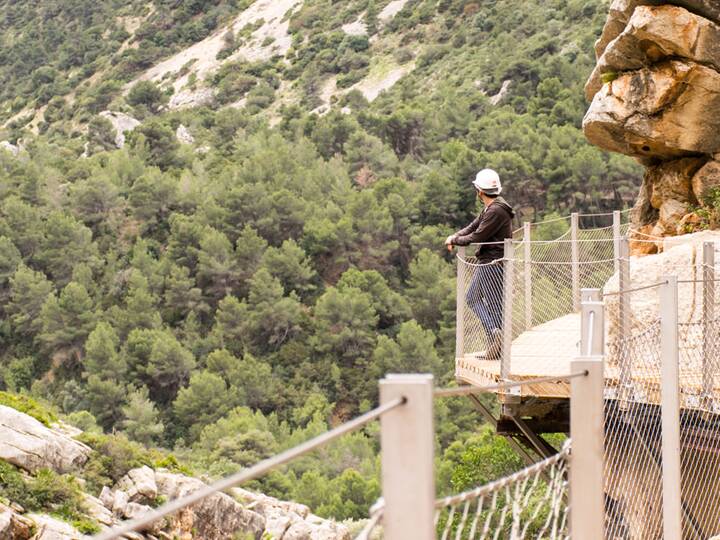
(494, 224)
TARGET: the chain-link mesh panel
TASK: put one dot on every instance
(633, 456)
(482, 296)
(533, 298)
(531, 503)
(699, 382)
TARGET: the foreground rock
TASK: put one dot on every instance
(139, 484)
(28, 444)
(49, 528)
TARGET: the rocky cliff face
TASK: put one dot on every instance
(655, 96)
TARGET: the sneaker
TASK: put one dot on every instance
(495, 348)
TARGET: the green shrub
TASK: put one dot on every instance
(610, 76)
(29, 406)
(115, 455)
(47, 492)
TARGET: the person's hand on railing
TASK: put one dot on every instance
(449, 242)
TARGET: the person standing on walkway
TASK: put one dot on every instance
(490, 229)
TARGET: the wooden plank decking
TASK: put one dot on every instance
(547, 350)
(543, 351)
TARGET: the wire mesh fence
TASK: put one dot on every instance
(633, 457)
(531, 503)
(699, 380)
(533, 290)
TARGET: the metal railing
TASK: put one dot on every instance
(536, 283)
(661, 332)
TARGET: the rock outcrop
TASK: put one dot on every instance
(215, 517)
(10, 147)
(122, 124)
(656, 96)
(28, 444)
(183, 135)
(290, 521)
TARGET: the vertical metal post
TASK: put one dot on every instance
(624, 315)
(617, 234)
(574, 228)
(460, 306)
(407, 441)
(507, 329)
(527, 239)
(587, 502)
(670, 409)
(708, 315)
(592, 323)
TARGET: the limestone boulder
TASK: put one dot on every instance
(216, 517)
(135, 510)
(324, 529)
(120, 502)
(655, 33)
(97, 510)
(139, 484)
(183, 135)
(665, 111)
(621, 11)
(28, 444)
(107, 497)
(13, 526)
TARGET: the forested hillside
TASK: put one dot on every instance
(234, 293)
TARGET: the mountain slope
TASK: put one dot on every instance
(237, 277)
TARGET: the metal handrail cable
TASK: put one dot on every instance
(636, 289)
(251, 473)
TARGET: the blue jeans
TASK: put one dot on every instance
(485, 296)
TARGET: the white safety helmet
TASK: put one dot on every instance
(488, 181)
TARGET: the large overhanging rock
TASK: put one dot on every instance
(622, 10)
(665, 111)
(28, 444)
(654, 34)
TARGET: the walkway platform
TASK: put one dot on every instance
(543, 351)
